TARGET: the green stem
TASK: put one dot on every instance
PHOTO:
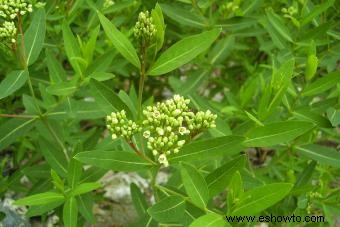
(141, 79)
(18, 116)
(165, 189)
(154, 183)
(25, 66)
(140, 154)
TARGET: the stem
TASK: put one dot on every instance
(18, 116)
(165, 189)
(141, 78)
(25, 67)
(154, 183)
(140, 154)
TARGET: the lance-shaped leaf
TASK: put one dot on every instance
(260, 198)
(276, 21)
(209, 149)
(183, 51)
(71, 48)
(195, 185)
(70, 213)
(54, 156)
(106, 98)
(183, 16)
(85, 203)
(138, 200)
(322, 154)
(115, 160)
(39, 210)
(170, 209)
(12, 129)
(84, 188)
(12, 82)
(218, 180)
(322, 84)
(41, 199)
(35, 36)
(119, 40)
(276, 133)
(210, 220)
(62, 88)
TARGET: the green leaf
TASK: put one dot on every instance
(106, 98)
(85, 203)
(276, 133)
(221, 50)
(119, 40)
(40, 199)
(55, 70)
(322, 154)
(195, 185)
(308, 115)
(316, 11)
(282, 76)
(71, 48)
(146, 221)
(42, 209)
(276, 21)
(183, 51)
(75, 168)
(55, 158)
(115, 160)
(305, 176)
(84, 188)
(260, 198)
(219, 179)
(70, 213)
(183, 16)
(62, 88)
(13, 82)
(322, 84)
(192, 83)
(210, 220)
(14, 128)
(333, 116)
(209, 149)
(311, 66)
(138, 200)
(235, 189)
(57, 181)
(35, 36)
(158, 20)
(170, 209)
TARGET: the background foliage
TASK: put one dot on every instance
(269, 70)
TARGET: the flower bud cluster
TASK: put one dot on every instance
(108, 3)
(289, 12)
(230, 8)
(166, 126)
(169, 123)
(8, 32)
(9, 9)
(144, 29)
(120, 126)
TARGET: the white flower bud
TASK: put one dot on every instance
(163, 160)
(146, 134)
(160, 131)
(181, 143)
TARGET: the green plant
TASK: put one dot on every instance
(238, 102)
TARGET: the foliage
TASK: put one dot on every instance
(269, 71)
